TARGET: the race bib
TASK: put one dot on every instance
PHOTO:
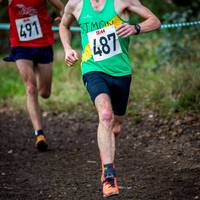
(104, 43)
(28, 28)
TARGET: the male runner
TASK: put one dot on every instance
(31, 40)
(106, 67)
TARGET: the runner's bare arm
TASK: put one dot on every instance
(65, 34)
(150, 23)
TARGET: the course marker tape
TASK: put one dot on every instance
(180, 24)
(6, 26)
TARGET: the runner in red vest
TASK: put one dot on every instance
(31, 40)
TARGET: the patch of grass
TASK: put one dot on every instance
(10, 82)
(186, 88)
(68, 91)
(169, 88)
(166, 91)
(11, 89)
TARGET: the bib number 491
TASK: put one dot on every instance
(28, 28)
(104, 43)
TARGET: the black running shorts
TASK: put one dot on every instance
(117, 88)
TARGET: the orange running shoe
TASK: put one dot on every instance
(41, 143)
(110, 187)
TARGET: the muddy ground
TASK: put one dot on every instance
(157, 159)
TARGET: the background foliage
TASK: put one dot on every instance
(166, 71)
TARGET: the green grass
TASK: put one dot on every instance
(11, 89)
(68, 91)
(167, 89)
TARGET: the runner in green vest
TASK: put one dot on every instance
(106, 66)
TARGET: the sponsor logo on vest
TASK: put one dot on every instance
(99, 32)
(24, 11)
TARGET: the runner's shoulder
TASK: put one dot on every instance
(127, 3)
(73, 4)
(73, 7)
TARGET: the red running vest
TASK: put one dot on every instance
(30, 23)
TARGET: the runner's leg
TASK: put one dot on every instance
(106, 142)
(44, 79)
(105, 136)
(116, 129)
(117, 124)
(27, 73)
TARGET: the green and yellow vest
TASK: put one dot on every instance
(99, 22)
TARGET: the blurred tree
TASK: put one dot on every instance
(3, 34)
(180, 45)
(189, 10)
(169, 11)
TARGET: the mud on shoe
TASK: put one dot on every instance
(110, 187)
(109, 181)
(41, 143)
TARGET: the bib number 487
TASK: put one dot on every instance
(104, 43)
(105, 48)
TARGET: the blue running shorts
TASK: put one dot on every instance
(41, 55)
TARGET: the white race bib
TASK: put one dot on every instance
(28, 28)
(104, 43)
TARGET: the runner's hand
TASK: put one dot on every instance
(57, 20)
(71, 56)
(125, 30)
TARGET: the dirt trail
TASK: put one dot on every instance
(157, 159)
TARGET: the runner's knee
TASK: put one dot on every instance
(106, 118)
(31, 89)
(45, 93)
